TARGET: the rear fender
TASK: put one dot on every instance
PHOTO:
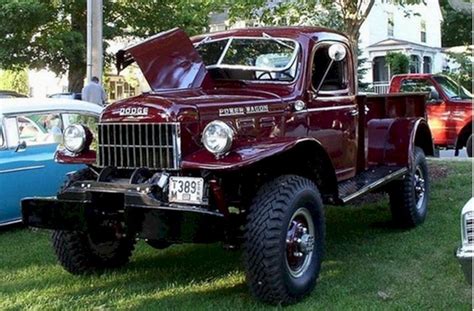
(391, 141)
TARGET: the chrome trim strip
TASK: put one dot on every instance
(11, 222)
(20, 169)
(375, 184)
(327, 108)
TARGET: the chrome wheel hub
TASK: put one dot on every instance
(419, 185)
(300, 242)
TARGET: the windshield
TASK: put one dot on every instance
(250, 58)
(452, 89)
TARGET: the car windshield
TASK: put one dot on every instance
(265, 58)
(452, 89)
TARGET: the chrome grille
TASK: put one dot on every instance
(469, 227)
(150, 145)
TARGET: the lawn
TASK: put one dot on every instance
(369, 265)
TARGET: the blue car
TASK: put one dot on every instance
(30, 131)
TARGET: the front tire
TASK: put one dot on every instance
(469, 146)
(284, 240)
(409, 196)
(81, 253)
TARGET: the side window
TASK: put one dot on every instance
(420, 86)
(415, 85)
(39, 129)
(337, 80)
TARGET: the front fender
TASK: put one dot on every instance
(391, 141)
(241, 156)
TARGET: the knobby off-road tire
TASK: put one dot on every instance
(82, 253)
(79, 254)
(469, 146)
(276, 220)
(409, 196)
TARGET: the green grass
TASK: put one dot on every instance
(369, 265)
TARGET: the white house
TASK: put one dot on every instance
(414, 30)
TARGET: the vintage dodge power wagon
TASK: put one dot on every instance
(243, 138)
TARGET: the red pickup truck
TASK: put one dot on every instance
(246, 134)
(449, 108)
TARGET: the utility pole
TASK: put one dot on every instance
(94, 39)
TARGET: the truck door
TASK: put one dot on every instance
(333, 112)
(437, 110)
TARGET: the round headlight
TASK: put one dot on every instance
(217, 137)
(75, 138)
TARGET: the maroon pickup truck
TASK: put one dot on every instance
(244, 138)
(449, 108)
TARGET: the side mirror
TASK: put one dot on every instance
(21, 147)
(337, 52)
(433, 96)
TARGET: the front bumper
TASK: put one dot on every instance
(465, 259)
(86, 204)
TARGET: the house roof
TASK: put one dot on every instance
(397, 42)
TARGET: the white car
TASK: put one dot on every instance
(465, 253)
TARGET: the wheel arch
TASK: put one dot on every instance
(308, 159)
(463, 135)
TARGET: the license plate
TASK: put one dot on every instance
(186, 190)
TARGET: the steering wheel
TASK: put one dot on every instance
(259, 77)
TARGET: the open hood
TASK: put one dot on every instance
(168, 60)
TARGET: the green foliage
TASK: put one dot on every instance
(457, 26)
(399, 63)
(290, 13)
(361, 71)
(463, 74)
(14, 80)
(44, 34)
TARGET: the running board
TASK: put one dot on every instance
(368, 180)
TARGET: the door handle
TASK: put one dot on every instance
(353, 112)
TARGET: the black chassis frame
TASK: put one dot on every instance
(131, 209)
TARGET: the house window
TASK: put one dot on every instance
(414, 64)
(390, 24)
(423, 31)
(427, 64)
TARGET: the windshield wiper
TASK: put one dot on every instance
(206, 39)
(265, 35)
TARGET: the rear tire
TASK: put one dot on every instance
(284, 240)
(469, 146)
(79, 253)
(409, 196)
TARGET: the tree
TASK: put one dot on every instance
(463, 73)
(14, 80)
(347, 15)
(398, 63)
(52, 33)
(457, 26)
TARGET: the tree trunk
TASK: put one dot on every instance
(76, 76)
(77, 61)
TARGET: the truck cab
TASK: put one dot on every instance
(245, 137)
(449, 108)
